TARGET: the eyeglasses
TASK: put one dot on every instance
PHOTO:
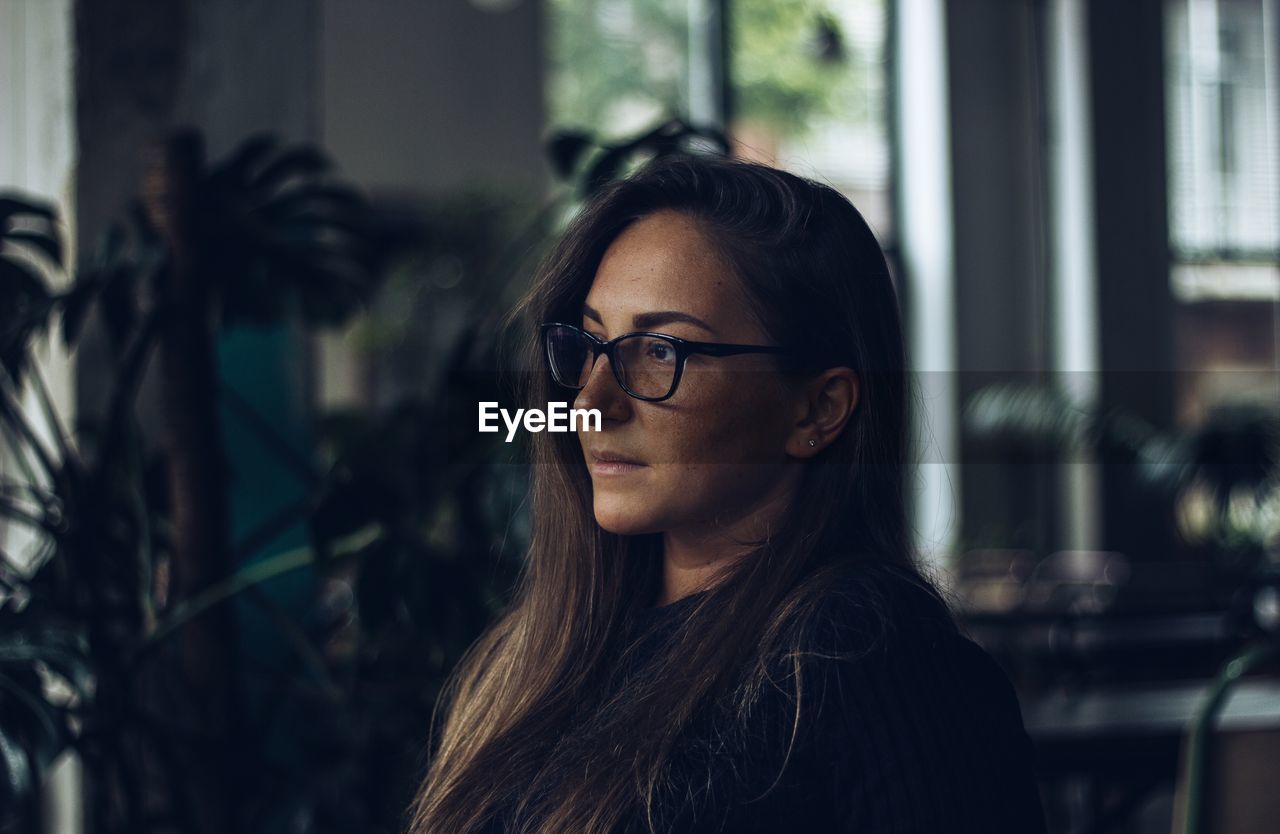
(646, 365)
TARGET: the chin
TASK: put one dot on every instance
(624, 529)
(622, 522)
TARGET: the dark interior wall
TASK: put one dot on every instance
(227, 67)
(144, 67)
(254, 66)
(1136, 306)
(421, 97)
(418, 100)
(409, 98)
(1135, 303)
(130, 58)
(994, 68)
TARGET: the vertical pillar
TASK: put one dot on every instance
(1135, 304)
(925, 221)
(1073, 275)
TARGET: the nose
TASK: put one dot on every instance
(603, 392)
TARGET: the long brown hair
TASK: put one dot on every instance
(817, 279)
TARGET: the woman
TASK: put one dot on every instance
(720, 625)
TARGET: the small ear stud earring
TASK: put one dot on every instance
(813, 442)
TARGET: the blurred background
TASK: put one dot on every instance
(253, 260)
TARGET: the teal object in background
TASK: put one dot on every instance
(267, 427)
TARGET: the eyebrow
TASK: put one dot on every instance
(645, 321)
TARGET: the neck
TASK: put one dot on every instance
(690, 565)
(694, 557)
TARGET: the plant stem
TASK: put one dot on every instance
(254, 574)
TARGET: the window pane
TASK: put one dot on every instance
(617, 66)
(1222, 128)
(810, 84)
(1224, 210)
(809, 81)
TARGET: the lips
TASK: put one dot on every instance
(614, 457)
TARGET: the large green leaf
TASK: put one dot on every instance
(25, 304)
(14, 206)
(45, 242)
(281, 236)
(30, 247)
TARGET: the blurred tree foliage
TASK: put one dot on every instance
(627, 61)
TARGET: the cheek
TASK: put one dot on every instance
(735, 420)
(708, 453)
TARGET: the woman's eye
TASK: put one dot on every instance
(660, 351)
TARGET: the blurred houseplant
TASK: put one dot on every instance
(1216, 485)
(114, 634)
(116, 637)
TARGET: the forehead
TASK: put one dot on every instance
(665, 262)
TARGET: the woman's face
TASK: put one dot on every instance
(715, 452)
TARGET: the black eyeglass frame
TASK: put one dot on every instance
(684, 348)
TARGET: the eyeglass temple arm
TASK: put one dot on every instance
(719, 349)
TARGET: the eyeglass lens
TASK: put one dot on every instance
(646, 365)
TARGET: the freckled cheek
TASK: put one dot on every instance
(723, 431)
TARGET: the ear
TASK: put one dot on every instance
(823, 406)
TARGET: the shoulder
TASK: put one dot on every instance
(920, 723)
(891, 629)
(877, 608)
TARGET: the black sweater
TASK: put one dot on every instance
(916, 731)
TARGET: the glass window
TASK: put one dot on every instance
(617, 66)
(810, 84)
(808, 81)
(1222, 94)
(1223, 185)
